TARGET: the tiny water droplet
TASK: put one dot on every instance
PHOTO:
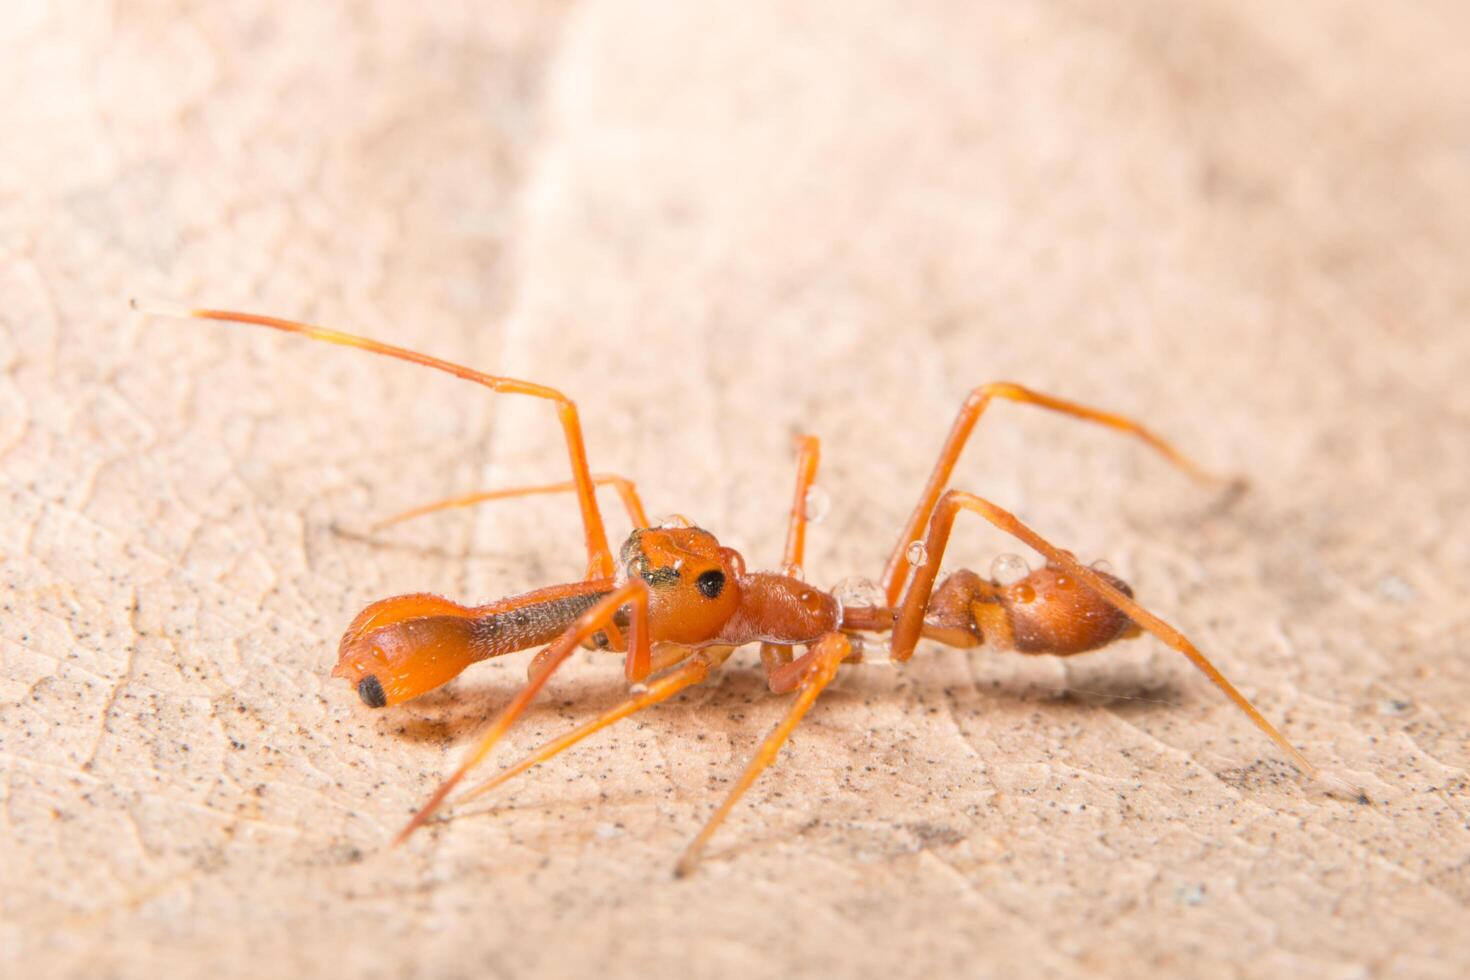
(1102, 566)
(673, 520)
(856, 592)
(816, 504)
(1023, 594)
(638, 689)
(874, 650)
(1395, 589)
(1008, 569)
(917, 554)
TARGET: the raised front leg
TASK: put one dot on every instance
(599, 557)
(625, 487)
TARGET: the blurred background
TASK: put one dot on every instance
(717, 225)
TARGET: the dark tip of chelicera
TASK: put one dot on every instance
(371, 692)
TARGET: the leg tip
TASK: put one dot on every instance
(1334, 785)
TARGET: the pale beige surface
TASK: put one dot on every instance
(1247, 223)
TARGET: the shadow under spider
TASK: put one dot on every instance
(461, 713)
(1125, 692)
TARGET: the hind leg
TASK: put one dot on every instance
(1073, 624)
(895, 572)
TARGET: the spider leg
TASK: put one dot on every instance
(635, 594)
(895, 572)
(809, 455)
(692, 671)
(818, 667)
(910, 619)
(627, 491)
(599, 557)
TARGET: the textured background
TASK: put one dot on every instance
(719, 224)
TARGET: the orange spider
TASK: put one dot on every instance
(677, 603)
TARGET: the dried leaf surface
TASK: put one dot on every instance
(717, 226)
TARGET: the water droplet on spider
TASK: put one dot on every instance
(816, 504)
(637, 689)
(812, 600)
(917, 554)
(1008, 569)
(673, 520)
(1102, 566)
(873, 650)
(856, 592)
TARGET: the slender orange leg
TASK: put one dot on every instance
(809, 455)
(693, 671)
(910, 621)
(625, 487)
(599, 558)
(895, 572)
(785, 677)
(825, 656)
(633, 593)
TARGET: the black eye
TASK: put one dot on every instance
(711, 583)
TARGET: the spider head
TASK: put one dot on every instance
(693, 582)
